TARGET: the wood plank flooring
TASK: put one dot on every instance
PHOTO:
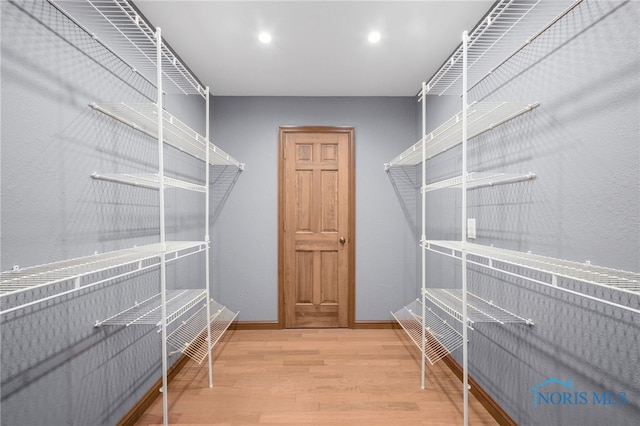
(316, 377)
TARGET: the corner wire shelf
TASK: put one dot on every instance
(135, 259)
(441, 338)
(508, 27)
(496, 258)
(147, 180)
(478, 309)
(190, 338)
(479, 180)
(482, 117)
(148, 312)
(144, 117)
(133, 39)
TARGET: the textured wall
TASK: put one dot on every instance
(246, 263)
(584, 205)
(57, 368)
(582, 143)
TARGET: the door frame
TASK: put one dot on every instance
(351, 249)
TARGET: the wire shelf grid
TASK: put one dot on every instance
(131, 37)
(508, 27)
(482, 116)
(191, 337)
(147, 180)
(441, 338)
(149, 311)
(478, 309)
(614, 279)
(144, 117)
(43, 275)
(479, 180)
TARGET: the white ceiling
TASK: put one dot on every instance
(319, 48)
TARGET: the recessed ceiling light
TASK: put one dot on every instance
(264, 37)
(374, 37)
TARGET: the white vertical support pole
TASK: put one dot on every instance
(423, 237)
(207, 240)
(163, 266)
(465, 328)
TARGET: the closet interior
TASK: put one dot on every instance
(188, 319)
(115, 264)
(509, 28)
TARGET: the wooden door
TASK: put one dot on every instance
(316, 244)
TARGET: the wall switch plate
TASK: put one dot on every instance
(471, 228)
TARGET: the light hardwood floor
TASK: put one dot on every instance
(316, 377)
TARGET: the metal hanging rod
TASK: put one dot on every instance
(479, 180)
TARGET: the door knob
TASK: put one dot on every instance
(343, 240)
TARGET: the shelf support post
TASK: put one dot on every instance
(163, 266)
(207, 238)
(465, 355)
(423, 237)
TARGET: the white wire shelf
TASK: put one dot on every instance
(191, 337)
(482, 116)
(149, 312)
(499, 259)
(441, 338)
(507, 28)
(131, 37)
(144, 117)
(480, 180)
(478, 309)
(133, 260)
(147, 180)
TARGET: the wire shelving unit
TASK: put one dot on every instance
(508, 28)
(440, 337)
(148, 311)
(89, 271)
(501, 260)
(479, 309)
(482, 116)
(117, 25)
(144, 117)
(190, 338)
(476, 120)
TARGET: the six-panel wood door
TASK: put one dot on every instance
(316, 237)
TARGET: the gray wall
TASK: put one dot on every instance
(56, 368)
(247, 241)
(582, 143)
